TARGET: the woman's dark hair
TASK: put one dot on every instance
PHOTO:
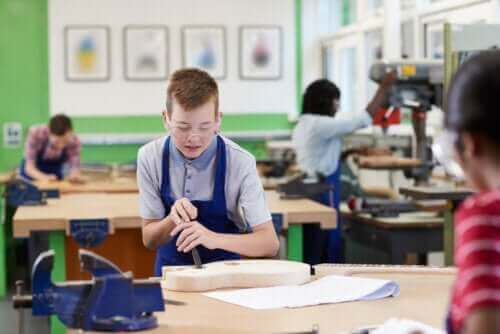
(318, 98)
(473, 103)
(60, 124)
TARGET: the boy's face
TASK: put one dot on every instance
(474, 158)
(60, 141)
(192, 131)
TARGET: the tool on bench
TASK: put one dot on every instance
(196, 258)
(378, 207)
(22, 192)
(111, 301)
(303, 187)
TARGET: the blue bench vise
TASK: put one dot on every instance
(112, 301)
(22, 192)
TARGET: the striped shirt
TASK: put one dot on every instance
(477, 256)
(38, 138)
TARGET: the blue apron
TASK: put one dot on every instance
(334, 240)
(212, 214)
(325, 245)
(47, 166)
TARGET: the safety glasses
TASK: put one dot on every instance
(444, 149)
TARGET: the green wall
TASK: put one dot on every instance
(23, 68)
(24, 95)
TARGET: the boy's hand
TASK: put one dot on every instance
(193, 234)
(49, 178)
(183, 211)
(76, 177)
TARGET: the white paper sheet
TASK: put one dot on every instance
(326, 290)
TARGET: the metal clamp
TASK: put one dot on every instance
(89, 232)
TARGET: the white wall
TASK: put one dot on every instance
(120, 97)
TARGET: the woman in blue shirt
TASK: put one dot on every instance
(317, 139)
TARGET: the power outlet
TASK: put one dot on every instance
(12, 134)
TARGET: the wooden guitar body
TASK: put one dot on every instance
(235, 274)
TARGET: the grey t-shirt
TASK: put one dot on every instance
(194, 180)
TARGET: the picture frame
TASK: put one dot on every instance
(261, 52)
(146, 52)
(204, 47)
(87, 53)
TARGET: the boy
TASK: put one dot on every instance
(48, 148)
(194, 182)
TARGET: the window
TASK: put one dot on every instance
(347, 82)
(434, 40)
(407, 40)
(374, 7)
(374, 52)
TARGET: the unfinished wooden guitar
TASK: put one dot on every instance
(235, 274)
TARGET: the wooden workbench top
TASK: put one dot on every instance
(447, 193)
(424, 297)
(419, 219)
(5, 177)
(107, 185)
(301, 211)
(122, 209)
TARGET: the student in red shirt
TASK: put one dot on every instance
(472, 120)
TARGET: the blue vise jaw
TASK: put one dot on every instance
(20, 192)
(111, 301)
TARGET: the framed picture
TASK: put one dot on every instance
(261, 52)
(204, 47)
(87, 53)
(146, 52)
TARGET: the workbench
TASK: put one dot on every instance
(454, 196)
(106, 185)
(414, 232)
(102, 185)
(424, 297)
(124, 244)
(122, 212)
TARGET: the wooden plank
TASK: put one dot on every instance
(108, 185)
(386, 162)
(362, 269)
